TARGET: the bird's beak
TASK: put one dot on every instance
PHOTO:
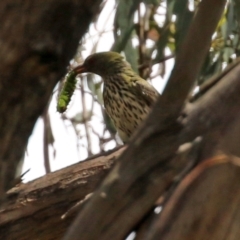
(80, 69)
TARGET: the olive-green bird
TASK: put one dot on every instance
(127, 97)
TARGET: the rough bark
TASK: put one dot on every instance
(148, 166)
(204, 206)
(34, 210)
(38, 39)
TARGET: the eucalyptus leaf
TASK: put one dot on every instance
(123, 32)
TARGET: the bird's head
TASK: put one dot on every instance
(104, 64)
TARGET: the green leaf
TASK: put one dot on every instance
(183, 19)
(123, 32)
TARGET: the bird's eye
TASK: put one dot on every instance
(90, 60)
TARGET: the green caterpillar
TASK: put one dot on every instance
(66, 91)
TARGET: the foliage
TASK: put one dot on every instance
(225, 44)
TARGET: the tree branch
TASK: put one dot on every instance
(35, 209)
(148, 166)
(207, 198)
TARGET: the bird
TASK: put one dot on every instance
(127, 97)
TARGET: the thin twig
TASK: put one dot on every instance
(46, 126)
(141, 48)
(85, 123)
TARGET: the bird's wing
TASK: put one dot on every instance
(145, 90)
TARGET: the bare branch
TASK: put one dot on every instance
(85, 121)
(46, 127)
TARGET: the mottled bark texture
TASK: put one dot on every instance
(34, 210)
(37, 40)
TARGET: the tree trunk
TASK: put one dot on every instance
(37, 41)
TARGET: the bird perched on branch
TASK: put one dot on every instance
(127, 97)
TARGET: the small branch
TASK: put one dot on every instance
(165, 58)
(141, 40)
(46, 126)
(213, 80)
(84, 115)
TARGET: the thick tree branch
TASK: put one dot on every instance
(148, 166)
(34, 210)
(214, 116)
(205, 199)
(217, 110)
